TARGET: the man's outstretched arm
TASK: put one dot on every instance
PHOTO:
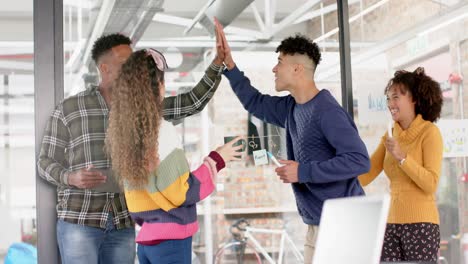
(193, 102)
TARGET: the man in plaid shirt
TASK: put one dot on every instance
(94, 225)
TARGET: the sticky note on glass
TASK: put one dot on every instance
(260, 157)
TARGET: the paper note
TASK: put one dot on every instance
(260, 157)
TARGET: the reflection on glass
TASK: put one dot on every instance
(17, 164)
(17, 161)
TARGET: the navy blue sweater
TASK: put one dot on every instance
(320, 136)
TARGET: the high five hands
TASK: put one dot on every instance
(223, 51)
(288, 173)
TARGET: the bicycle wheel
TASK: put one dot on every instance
(237, 253)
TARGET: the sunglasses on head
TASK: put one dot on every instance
(158, 58)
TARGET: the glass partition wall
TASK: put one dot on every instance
(384, 36)
(243, 189)
(17, 160)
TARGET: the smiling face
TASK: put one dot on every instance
(400, 104)
(284, 73)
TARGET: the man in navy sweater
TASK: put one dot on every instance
(325, 152)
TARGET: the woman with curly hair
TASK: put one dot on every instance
(411, 157)
(160, 190)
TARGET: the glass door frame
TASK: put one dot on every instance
(48, 92)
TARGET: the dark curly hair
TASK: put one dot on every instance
(134, 120)
(426, 92)
(105, 43)
(300, 44)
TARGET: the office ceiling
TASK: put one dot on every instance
(162, 24)
(150, 23)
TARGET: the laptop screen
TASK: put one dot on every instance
(352, 230)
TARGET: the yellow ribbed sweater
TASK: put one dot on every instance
(413, 185)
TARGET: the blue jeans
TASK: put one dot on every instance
(83, 244)
(170, 251)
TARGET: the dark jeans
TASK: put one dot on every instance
(170, 251)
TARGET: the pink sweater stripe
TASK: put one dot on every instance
(212, 166)
(206, 174)
(165, 231)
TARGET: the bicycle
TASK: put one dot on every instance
(244, 242)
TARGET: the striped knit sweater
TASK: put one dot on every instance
(166, 208)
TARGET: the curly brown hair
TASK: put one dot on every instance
(426, 92)
(134, 120)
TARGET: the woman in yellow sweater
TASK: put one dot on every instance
(411, 157)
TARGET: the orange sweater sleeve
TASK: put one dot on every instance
(377, 160)
(426, 175)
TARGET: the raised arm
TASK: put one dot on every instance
(272, 109)
(193, 102)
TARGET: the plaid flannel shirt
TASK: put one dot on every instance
(74, 139)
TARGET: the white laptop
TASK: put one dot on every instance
(352, 230)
